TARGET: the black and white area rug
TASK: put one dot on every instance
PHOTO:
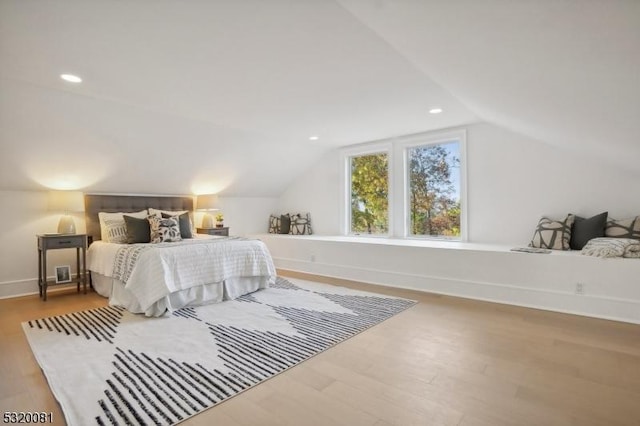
(107, 366)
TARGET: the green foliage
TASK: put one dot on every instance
(369, 194)
(434, 210)
(433, 205)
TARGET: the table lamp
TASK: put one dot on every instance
(207, 203)
(66, 202)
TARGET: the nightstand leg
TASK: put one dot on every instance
(44, 275)
(78, 276)
(84, 269)
(40, 272)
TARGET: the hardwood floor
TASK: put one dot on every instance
(446, 361)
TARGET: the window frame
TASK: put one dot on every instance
(403, 146)
(345, 205)
(399, 196)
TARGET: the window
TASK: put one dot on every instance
(369, 183)
(433, 187)
(419, 177)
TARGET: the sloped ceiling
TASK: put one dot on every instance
(222, 96)
(563, 72)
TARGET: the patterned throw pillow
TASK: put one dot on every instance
(553, 234)
(274, 224)
(625, 228)
(300, 224)
(165, 213)
(185, 224)
(164, 230)
(113, 228)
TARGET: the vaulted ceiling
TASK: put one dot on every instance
(222, 96)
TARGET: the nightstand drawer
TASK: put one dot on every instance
(214, 231)
(63, 241)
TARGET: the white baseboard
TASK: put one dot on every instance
(597, 306)
(28, 287)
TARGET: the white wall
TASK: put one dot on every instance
(512, 182)
(244, 215)
(24, 214)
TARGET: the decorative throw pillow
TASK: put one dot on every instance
(300, 224)
(159, 213)
(587, 229)
(274, 224)
(624, 228)
(185, 224)
(138, 230)
(553, 234)
(285, 224)
(164, 230)
(113, 228)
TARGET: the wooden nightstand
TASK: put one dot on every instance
(214, 231)
(61, 241)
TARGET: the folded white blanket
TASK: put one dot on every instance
(612, 247)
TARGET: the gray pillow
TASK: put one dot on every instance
(138, 230)
(587, 229)
(184, 222)
(285, 224)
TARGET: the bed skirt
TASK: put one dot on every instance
(229, 289)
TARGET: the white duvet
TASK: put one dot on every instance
(165, 268)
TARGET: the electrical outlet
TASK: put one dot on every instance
(580, 288)
(313, 257)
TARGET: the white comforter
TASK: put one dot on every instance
(166, 268)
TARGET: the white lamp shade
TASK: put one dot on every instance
(207, 202)
(66, 225)
(66, 201)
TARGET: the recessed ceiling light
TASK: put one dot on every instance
(314, 138)
(435, 110)
(71, 78)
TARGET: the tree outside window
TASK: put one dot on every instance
(370, 194)
(434, 190)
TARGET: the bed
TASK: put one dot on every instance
(157, 278)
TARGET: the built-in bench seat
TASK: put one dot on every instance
(610, 287)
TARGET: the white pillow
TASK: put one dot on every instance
(113, 228)
(158, 213)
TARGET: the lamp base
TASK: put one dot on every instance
(207, 221)
(66, 225)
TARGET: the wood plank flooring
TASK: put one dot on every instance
(446, 361)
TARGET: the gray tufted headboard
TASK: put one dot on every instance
(95, 203)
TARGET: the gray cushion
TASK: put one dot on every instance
(138, 230)
(587, 229)
(285, 224)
